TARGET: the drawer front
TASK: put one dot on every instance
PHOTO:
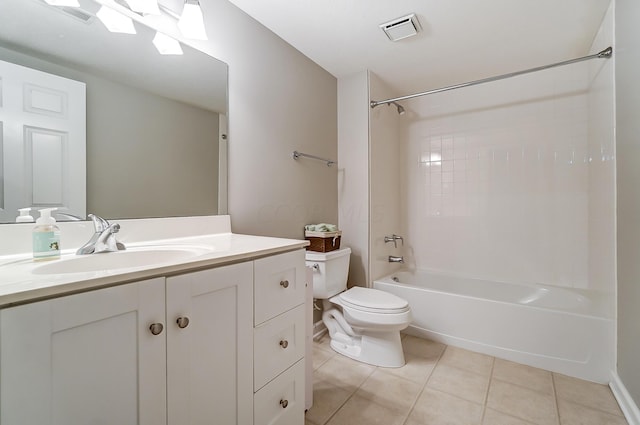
(281, 401)
(279, 284)
(277, 344)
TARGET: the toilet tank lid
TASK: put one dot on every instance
(373, 298)
(324, 256)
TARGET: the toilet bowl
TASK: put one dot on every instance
(363, 323)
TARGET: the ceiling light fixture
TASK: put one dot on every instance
(166, 45)
(146, 7)
(68, 3)
(191, 23)
(116, 21)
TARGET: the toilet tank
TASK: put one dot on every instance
(330, 271)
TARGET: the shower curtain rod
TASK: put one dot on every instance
(604, 54)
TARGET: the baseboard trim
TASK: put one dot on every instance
(627, 405)
(319, 329)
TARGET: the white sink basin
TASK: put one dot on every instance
(130, 258)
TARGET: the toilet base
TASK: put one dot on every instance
(376, 348)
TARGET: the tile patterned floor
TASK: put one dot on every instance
(445, 385)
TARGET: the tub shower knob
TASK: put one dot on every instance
(284, 343)
(182, 322)
(284, 283)
(284, 403)
(156, 328)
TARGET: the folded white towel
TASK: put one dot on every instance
(321, 227)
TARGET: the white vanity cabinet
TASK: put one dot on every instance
(174, 351)
(279, 339)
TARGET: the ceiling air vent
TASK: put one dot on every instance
(400, 28)
(77, 13)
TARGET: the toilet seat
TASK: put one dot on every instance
(372, 301)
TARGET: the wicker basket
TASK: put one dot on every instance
(323, 241)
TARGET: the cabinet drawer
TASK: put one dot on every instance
(277, 344)
(279, 284)
(281, 401)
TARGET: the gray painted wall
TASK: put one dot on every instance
(628, 197)
(279, 101)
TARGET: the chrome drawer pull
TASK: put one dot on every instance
(156, 328)
(284, 403)
(182, 322)
(284, 343)
(284, 283)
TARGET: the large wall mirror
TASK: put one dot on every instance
(155, 124)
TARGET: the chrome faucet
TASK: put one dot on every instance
(394, 259)
(394, 238)
(104, 239)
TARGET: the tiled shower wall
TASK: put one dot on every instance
(501, 178)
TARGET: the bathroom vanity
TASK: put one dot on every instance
(215, 335)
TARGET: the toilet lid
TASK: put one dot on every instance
(373, 299)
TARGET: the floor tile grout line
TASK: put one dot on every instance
(423, 387)
(486, 395)
(555, 398)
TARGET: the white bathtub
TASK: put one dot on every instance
(552, 328)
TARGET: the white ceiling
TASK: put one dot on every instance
(462, 40)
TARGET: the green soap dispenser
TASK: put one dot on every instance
(46, 237)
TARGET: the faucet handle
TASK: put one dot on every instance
(394, 238)
(99, 223)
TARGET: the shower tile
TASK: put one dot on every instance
(390, 391)
(361, 411)
(524, 376)
(575, 414)
(595, 396)
(344, 372)
(437, 408)
(467, 360)
(522, 403)
(459, 382)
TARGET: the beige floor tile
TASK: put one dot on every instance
(422, 347)
(437, 408)
(459, 382)
(416, 369)
(586, 393)
(323, 342)
(522, 403)
(576, 414)
(327, 399)
(344, 372)
(320, 356)
(525, 376)
(361, 411)
(493, 417)
(468, 360)
(390, 391)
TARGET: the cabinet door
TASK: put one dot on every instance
(209, 346)
(82, 359)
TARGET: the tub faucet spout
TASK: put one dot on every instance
(394, 259)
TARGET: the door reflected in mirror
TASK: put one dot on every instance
(154, 123)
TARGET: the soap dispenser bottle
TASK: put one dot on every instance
(46, 237)
(24, 216)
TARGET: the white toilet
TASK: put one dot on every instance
(363, 323)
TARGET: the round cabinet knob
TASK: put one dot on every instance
(284, 283)
(284, 403)
(156, 328)
(182, 322)
(284, 343)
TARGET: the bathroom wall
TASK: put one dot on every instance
(627, 16)
(279, 101)
(385, 187)
(496, 177)
(353, 172)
